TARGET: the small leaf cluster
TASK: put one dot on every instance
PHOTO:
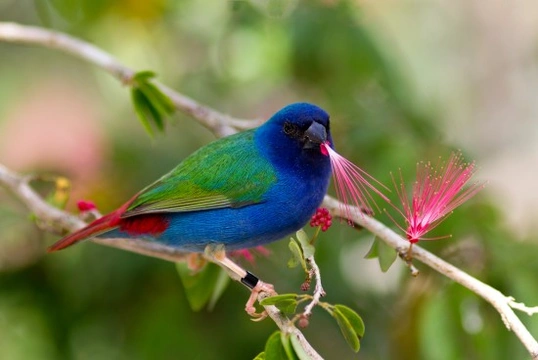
(281, 345)
(349, 322)
(301, 249)
(150, 103)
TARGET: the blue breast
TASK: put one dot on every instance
(302, 181)
(290, 204)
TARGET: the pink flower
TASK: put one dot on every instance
(248, 254)
(351, 183)
(436, 192)
(321, 218)
(85, 205)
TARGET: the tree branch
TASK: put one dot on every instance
(222, 125)
(499, 301)
(66, 222)
(318, 288)
(288, 327)
(63, 221)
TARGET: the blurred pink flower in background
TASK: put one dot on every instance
(54, 128)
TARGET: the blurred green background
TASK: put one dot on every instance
(404, 81)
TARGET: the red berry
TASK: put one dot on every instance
(303, 322)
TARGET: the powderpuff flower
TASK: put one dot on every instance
(351, 183)
(437, 191)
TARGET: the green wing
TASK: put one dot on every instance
(226, 173)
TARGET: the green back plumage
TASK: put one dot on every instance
(226, 173)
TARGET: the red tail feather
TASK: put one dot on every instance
(99, 226)
(152, 224)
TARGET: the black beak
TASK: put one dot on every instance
(314, 136)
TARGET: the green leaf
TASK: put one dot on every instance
(274, 300)
(143, 75)
(288, 348)
(351, 325)
(387, 255)
(260, 356)
(304, 240)
(161, 105)
(155, 114)
(384, 253)
(200, 287)
(274, 350)
(286, 303)
(223, 280)
(158, 98)
(299, 349)
(297, 255)
(151, 104)
(373, 252)
(354, 319)
(142, 109)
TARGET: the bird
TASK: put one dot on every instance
(240, 191)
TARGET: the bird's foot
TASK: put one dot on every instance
(256, 290)
(217, 255)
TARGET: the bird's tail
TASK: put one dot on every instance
(96, 228)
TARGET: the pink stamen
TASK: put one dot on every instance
(351, 183)
(437, 191)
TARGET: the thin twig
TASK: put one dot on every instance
(220, 124)
(499, 301)
(318, 288)
(287, 327)
(63, 221)
(522, 307)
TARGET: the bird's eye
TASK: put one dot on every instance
(289, 128)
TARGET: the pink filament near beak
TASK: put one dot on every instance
(351, 183)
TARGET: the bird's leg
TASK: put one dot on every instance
(217, 254)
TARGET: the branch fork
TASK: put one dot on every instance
(222, 125)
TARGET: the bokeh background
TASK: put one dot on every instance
(404, 81)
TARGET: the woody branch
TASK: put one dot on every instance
(57, 220)
(222, 125)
